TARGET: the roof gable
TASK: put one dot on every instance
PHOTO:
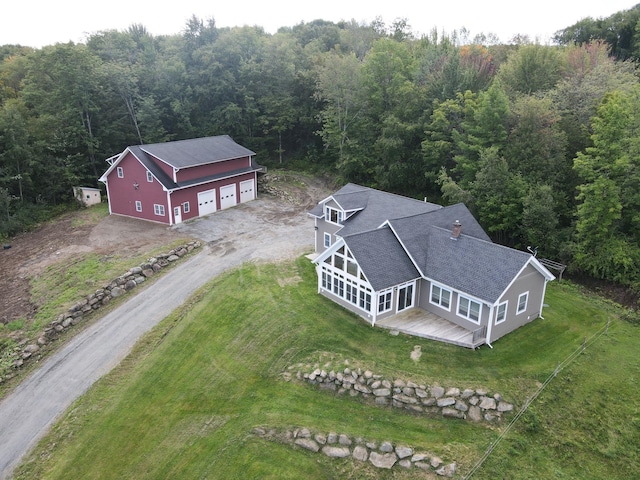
(477, 267)
(381, 257)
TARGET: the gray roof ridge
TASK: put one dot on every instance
(488, 242)
(355, 234)
(178, 141)
(404, 197)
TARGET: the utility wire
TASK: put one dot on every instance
(561, 366)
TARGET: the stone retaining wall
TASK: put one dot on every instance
(116, 288)
(379, 454)
(472, 404)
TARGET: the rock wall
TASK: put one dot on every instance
(380, 454)
(118, 287)
(472, 404)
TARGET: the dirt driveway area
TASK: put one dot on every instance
(267, 229)
(285, 198)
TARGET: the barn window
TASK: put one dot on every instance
(120, 172)
(138, 206)
(149, 176)
(158, 209)
(186, 207)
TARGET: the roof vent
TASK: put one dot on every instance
(455, 231)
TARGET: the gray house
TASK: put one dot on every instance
(423, 269)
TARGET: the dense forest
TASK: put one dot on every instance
(540, 141)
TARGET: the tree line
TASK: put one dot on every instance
(540, 141)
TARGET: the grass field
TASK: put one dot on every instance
(185, 402)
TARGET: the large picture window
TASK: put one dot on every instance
(440, 296)
(469, 309)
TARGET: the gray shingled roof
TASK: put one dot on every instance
(412, 230)
(480, 268)
(472, 264)
(197, 151)
(380, 206)
(382, 258)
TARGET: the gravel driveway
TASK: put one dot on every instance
(263, 230)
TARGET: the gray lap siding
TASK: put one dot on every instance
(528, 281)
(451, 314)
(325, 227)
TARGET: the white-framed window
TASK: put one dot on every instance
(326, 280)
(352, 293)
(522, 302)
(186, 207)
(158, 209)
(333, 215)
(138, 206)
(501, 312)
(120, 172)
(384, 301)
(365, 300)
(440, 296)
(149, 176)
(469, 309)
(327, 240)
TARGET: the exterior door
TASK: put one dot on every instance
(247, 191)
(177, 215)
(405, 297)
(228, 196)
(206, 202)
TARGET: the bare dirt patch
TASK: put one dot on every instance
(63, 240)
(90, 231)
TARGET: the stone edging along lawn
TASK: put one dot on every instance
(118, 287)
(474, 405)
(380, 455)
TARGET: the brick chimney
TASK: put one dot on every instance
(455, 231)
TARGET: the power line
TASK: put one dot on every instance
(561, 366)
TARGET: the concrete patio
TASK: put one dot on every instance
(420, 323)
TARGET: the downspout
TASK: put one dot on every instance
(544, 292)
(170, 208)
(375, 309)
(487, 340)
(315, 234)
(106, 184)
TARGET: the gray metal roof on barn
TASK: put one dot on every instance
(197, 151)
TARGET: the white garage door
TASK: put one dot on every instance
(247, 191)
(206, 202)
(228, 196)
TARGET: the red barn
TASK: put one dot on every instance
(174, 181)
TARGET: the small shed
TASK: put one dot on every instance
(87, 195)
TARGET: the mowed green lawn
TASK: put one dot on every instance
(184, 404)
